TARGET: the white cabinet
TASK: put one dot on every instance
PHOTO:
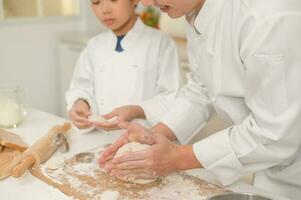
(69, 52)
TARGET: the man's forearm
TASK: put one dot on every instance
(162, 129)
(186, 158)
(139, 112)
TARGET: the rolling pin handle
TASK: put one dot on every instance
(20, 169)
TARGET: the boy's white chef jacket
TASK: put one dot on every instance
(148, 67)
(245, 61)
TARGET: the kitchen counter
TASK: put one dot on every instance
(37, 124)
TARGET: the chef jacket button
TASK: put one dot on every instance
(213, 99)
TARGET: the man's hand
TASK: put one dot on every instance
(134, 133)
(79, 114)
(121, 114)
(158, 160)
(162, 158)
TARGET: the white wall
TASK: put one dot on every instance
(29, 54)
(92, 25)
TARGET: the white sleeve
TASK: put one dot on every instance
(82, 83)
(168, 81)
(192, 107)
(270, 135)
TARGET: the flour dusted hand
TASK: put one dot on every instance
(160, 159)
(132, 147)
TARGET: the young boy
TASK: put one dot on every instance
(127, 65)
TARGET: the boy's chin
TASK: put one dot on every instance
(111, 27)
(174, 15)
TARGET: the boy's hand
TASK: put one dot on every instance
(118, 115)
(79, 114)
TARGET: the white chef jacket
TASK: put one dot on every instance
(245, 62)
(148, 67)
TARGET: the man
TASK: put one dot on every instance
(245, 61)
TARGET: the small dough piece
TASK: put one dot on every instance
(97, 118)
(101, 119)
(113, 120)
(131, 147)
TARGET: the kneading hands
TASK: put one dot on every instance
(162, 158)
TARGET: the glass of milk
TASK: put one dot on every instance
(12, 106)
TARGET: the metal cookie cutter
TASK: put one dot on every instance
(60, 141)
(85, 157)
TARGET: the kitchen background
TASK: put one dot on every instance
(40, 41)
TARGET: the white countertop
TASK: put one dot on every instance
(37, 124)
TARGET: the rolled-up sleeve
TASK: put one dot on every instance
(270, 134)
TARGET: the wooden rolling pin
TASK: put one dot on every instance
(40, 151)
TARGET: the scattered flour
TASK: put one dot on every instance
(85, 168)
(55, 163)
(172, 187)
(55, 176)
(78, 185)
(176, 188)
(107, 195)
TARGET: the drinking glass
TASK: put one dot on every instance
(12, 106)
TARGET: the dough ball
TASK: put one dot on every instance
(131, 147)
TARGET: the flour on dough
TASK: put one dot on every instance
(131, 147)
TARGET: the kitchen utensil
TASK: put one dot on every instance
(60, 141)
(41, 150)
(85, 157)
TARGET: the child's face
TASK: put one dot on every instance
(114, 14)
(175, 8)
